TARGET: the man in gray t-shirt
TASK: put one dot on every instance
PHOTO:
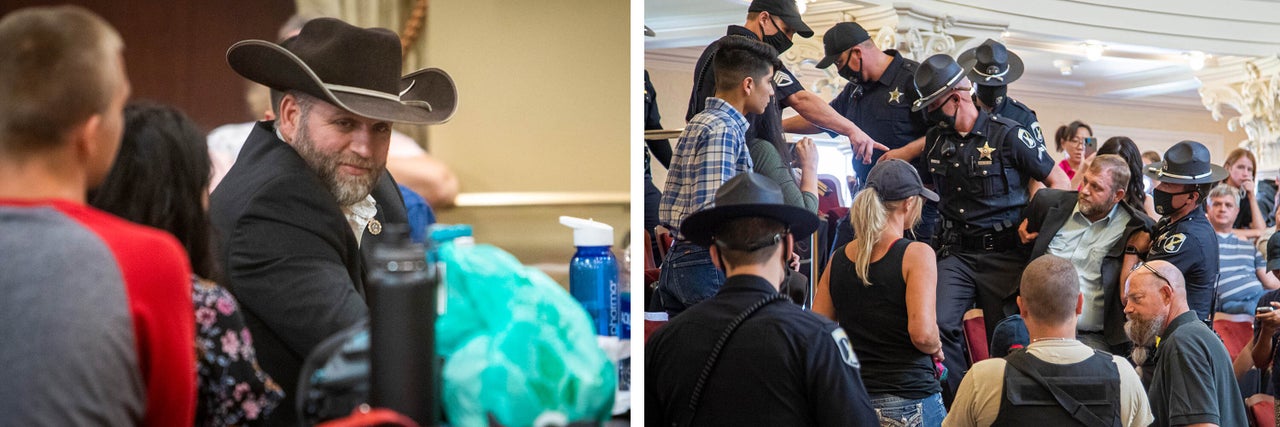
(1193, 382)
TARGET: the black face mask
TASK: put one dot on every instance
(848, 73)
(778, 40)
(938, 117)
(1164, 201)
(990, 96)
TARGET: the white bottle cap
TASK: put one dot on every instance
(587, 232)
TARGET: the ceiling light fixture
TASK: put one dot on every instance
(1195, 59)
(1065, 66)
(802, 5)
(1093, 50)
(1004, 34)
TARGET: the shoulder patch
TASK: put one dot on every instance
(782, 79)
(846, 349)
(1035, 131)
(1173, 243)
(1026, 138)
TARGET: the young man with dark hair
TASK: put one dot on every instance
(774, 363)
(97, 327)
(711, 150)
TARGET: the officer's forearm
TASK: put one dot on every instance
(1057, 179)
(797, 124)
(817, 112)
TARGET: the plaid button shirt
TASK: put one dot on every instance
(712, 149)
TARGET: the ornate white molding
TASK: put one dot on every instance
(1254, 97)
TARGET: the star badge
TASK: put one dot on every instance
(985, 151)
(894, 96)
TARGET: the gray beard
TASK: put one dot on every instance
(347, 190)
(1143, 334)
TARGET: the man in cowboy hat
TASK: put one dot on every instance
(981, 165)
(992, 67)
(1183, 236)
(776, 22)
(778, 365)
(98, 326)
(878, 100)
(309, 190)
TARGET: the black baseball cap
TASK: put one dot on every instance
(839, 38)
(785, 9)
(895, 179)
(1273, 252)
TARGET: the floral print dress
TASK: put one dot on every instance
(232, 389)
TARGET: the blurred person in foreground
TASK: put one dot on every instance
(97, 325)
(160, 179)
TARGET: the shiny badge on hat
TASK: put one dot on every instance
(375, 227)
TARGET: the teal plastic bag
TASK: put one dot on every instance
(516, 345)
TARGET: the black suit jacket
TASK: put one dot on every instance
(1047, 213)
(289, 256)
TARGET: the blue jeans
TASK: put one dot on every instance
(894, 411)
(687, 278)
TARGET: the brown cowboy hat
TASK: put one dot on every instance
(356, 69)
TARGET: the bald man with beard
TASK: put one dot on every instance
(1192, 382)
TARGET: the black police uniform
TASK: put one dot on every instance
(982, 185)
(1191, 245)
(1012, 109)
(767, 125)
(882, 109)
(782, 366)
(659, 148)
(1093, 382)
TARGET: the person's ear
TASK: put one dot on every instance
(1079, 304)
(747, 83)
(84, 138)
(1119, 195)
(714, 251)
(1021, 309)
(290, 116)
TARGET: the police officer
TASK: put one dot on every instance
(775, 22)
(1183, 236)
(981, 165)
(992, 67)
(878, 100)
(775, 364)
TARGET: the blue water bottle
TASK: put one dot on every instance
(593, 273)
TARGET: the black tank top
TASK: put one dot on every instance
(875, 317)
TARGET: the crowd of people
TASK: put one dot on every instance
(134, 296)
(1099, 277)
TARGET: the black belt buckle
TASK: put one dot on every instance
(989, 242)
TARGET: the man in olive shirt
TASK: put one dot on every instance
(1193, 383)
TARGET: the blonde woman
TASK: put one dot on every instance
(881, 288)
